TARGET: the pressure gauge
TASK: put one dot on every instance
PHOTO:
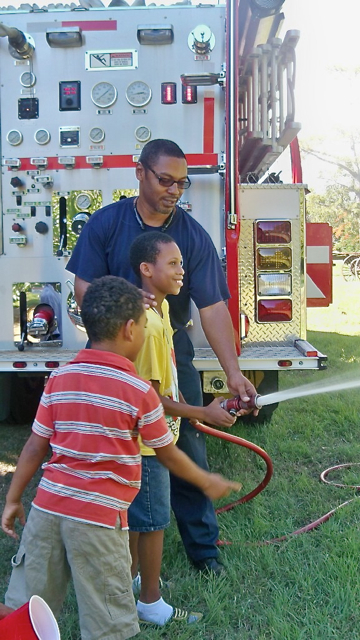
(14, 137)
(103, 94)
(27, 79)
(42, 136)
(97, 134)
(138, 93)
(83, 201)
(143, 134)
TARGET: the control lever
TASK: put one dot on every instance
(62, 227)
(23, 320)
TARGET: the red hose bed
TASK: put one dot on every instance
(248, 445)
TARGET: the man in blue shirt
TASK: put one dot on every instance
(103, 249)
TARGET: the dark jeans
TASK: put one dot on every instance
(194, 512)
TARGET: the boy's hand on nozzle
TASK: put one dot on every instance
(220, 487)
(10, 513)
(216, 415)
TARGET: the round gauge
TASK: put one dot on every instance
(42, 136)
(14, 137)
(27, 79)
(103, 94)
(83, 201)
(143, 134)
(97, 134)
(138, 93)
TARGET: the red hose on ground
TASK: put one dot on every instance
(269, 471)
(248, 445)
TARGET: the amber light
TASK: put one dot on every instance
(274, 311)
(273, 259)
(168, 93)
(273, 232)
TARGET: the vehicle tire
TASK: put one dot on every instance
(25, 396)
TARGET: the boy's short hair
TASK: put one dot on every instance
(160, 147)
(146, 248)
(109, 302)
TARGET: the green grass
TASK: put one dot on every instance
(308, 587)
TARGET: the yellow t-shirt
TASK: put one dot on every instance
(156, 361)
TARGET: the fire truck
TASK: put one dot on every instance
(83, 88)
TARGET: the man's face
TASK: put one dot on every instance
(161, 199)
(167, 272)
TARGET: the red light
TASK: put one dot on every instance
(52, 364)
(168, 93)
(20, 365)
(273, 232)
(274, 311)
(284, 363)
(188, 94)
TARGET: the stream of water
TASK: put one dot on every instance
(309, 390)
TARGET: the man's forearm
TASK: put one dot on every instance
(217, 325)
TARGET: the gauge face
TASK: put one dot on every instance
(143, 134)
(83, 201)
(103, 94)
(14, 137)
(138, 93)
(42, 136)
(27, 79)
(97, 134)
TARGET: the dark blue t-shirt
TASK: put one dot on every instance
(103, 249)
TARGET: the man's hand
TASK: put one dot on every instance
(148, 299)
(214, 414)
(10, 513)
(219, 487)
(238, 385)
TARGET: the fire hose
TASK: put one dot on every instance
(234, 404)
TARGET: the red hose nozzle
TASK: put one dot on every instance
(233, 405)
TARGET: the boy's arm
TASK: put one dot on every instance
(30, 459)
(213, 413)
(212, 484)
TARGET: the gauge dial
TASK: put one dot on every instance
(103, 94)
(83, 201)
(138, 93)
(97, 134)
(27, 79)
(42, 136)
(14, 137)
(142, 133)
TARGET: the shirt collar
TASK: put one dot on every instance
(106, 358)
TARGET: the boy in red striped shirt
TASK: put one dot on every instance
(91, 413)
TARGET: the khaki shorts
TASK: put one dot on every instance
(53, 549)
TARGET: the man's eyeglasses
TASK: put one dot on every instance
(168, 182)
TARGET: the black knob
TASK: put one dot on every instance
(16, 182)
(41, 227)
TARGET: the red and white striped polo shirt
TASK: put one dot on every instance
(92, 411)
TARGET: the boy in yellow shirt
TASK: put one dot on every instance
(157, 261)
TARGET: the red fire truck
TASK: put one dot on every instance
(83, 88)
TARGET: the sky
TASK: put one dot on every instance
(325, 101)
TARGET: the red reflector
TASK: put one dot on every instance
(284, 363)
(20, 365)
(274, 311)
(52, 364)
(273, 232)
(188, 94)
(168, 92)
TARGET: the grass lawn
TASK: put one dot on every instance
(308, 587)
